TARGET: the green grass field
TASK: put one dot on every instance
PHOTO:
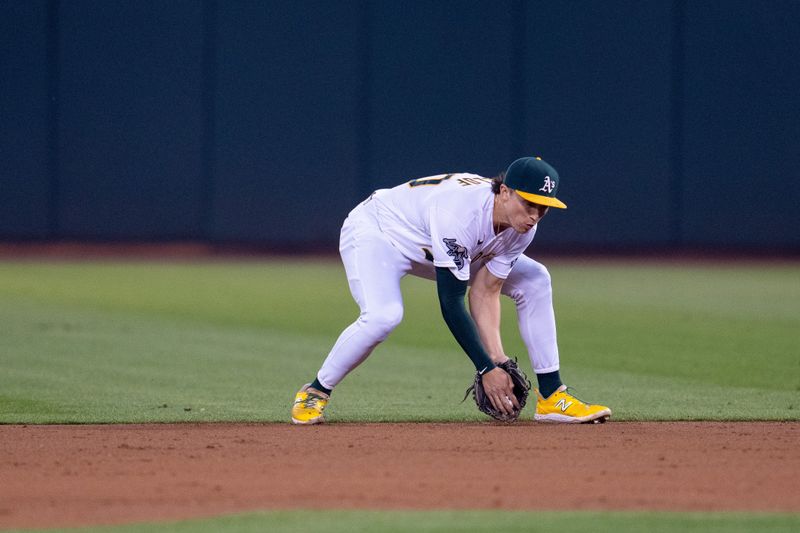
(470, 522)
(232, 341)
(142, 342)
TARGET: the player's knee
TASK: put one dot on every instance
(537, 282)
(390, 316)
(381, 322)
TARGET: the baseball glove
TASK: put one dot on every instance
(521, 388)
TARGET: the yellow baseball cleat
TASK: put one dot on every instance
(562, 407)
(309, 406)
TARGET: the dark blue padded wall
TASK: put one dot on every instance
(671, 123)
(24, 125)
(439, 89)
(130, 126)
(597, 106)
(742, 123)
(285, 121)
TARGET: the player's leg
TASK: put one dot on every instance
(529, 285)
(374, 268)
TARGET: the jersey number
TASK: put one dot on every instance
(436, 180)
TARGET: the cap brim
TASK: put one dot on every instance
(542, 200)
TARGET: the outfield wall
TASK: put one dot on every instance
(672, 123)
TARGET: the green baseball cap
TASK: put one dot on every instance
(534, 180)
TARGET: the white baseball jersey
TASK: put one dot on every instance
(446, 221)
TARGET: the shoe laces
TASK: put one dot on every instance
(569, 390)
(311, 400)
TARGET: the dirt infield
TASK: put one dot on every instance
(80, 475)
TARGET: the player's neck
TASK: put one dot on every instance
(498, 216)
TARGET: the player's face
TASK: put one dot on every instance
(522, 214)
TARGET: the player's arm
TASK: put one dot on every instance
(496, 382)
(484, 306)
(451, 291)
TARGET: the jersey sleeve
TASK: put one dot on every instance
(500, 265)
(451, 241)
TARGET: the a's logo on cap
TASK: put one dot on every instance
(548, 186)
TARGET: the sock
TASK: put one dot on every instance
(548, 383)
(317, 385)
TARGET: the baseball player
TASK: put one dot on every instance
(460, 230)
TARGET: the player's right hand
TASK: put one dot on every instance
(500, 390)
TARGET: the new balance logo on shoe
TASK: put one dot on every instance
(563, 404)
